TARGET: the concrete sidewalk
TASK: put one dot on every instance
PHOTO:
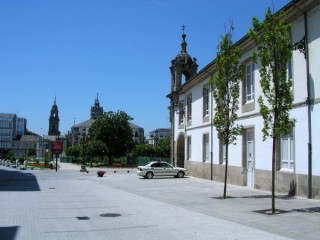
(69, 204)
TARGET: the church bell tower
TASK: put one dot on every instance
(54, 120)
(183, 68)
(182, 65)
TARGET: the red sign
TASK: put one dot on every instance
(57, 146)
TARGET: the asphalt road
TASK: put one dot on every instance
(68, 204)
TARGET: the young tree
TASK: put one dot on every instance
(113, 129)
(274, 51)
(226, 92)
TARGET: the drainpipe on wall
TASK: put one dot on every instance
(310, 195)
(305, 49)
(211, 129)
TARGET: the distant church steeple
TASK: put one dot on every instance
(96, 110)
(54, 120)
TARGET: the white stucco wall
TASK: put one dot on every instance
(314, 61)
(314, 50)
(298, 63)
(316, 139)
(196, 143)
(300, 140)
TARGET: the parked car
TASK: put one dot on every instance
(160, 169)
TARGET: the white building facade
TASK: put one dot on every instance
(194, 139)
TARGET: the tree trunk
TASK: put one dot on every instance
(274, 137)
(273, 175)
(275, 122)
(226, 174)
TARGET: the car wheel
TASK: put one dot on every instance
(149, 175)
(180, 174)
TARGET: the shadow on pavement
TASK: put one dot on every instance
(281, 197)
(8, 233)
(301, 210)
(17, 181)
(308, 210)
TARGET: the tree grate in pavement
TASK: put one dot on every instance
(83, 218)
(221, 197)
(269, 211)
(302, 210)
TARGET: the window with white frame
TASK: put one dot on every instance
(222, 152)
(289, 74)
(205, 144)
(181, 112)
(189, 107)
(249, 82)
(287, 151)
(188, 147)
(205, 98)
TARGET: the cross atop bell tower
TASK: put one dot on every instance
(183, 28)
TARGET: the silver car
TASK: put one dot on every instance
(160, 169)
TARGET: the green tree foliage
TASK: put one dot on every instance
(144, 150)
(161, 150)
(226, 93)
(113, 129)
(74, 151)
(31, 152)
(163, 147)
(272, 37)
(68, 138)
(93, 149)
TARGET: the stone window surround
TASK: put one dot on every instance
(250, 105)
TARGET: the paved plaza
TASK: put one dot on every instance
(69, 204)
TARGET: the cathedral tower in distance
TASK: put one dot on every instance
(54, 120)
(96, 110)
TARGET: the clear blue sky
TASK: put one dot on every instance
(122, 50)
